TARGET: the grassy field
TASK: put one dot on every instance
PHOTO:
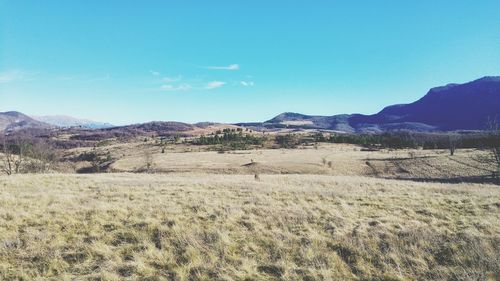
(199, 226)
(327, 159)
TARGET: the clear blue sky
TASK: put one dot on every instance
(230, 61)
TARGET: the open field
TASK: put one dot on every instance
(195, 226)
(326, 159)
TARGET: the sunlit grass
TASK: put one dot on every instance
(219, 227)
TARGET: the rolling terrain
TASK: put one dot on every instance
(454, 107)
(468, 106)
(325, 159)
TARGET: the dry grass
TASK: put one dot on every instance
(327, 159)
(231, 227)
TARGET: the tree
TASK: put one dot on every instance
(42, 157)
(8, 161)
(495, 151)
(453, 141)
(492, 144)
(14, 156)
(494, 147)
(148, 160)
(95, 160)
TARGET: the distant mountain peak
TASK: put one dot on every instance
(64, 121)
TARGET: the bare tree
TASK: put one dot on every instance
(494, 127)
(42, 157)
(148, 160)
(496, 156)
(493, 147)
(8, 165)
(453, 142)
(14, 156)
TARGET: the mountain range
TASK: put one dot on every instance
(63, 121)
(468, 106)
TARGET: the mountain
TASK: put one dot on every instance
(468, 106)
(13, 121)
(452, 107)
(68, 122)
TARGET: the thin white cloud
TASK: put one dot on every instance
(181, 87)
(11, 76)
(229, 67)
(171, 85)
(167, 79)
(214, 85)
(247, 83)
(154, 73)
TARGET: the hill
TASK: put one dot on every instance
(14, 121)
(466, 106)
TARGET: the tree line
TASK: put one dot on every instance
(401, 140)
(231, 139)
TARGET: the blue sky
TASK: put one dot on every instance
(231, 61)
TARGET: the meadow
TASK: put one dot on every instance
(323, 159)
(232, 227)
(330, 212)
